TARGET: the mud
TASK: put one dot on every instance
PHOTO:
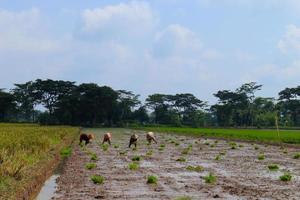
(240, 175)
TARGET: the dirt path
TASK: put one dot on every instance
(240, 175)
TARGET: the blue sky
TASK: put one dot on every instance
(165, 46)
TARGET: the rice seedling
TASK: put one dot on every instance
(296, 156)
(136, 158)
(261, 156)
(195, 168)
(90, 165)
(97, 179)
(122, 153)
(152, 179)
(273, 167)
(181, 159)
(256, 147)
(66, 152)
(286, 177)
(116, 146)
(218, 157)
(183, 198)
(162, 146)
(94, 156)
(149, 153)
(210, 178)
(133, 166)
(104, 147)
(185, 151)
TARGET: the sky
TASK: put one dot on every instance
(154, 46)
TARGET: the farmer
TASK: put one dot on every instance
(107, 138)
(133, 140)
(150, 137)
(86, 137)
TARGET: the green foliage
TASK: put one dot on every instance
(90, 165)
(218, 157)
(133, 166)
(94, 156)
(261, 157)
(66, 152)
(136, 158)
(286, 177)
(122, 153)
(183, 198)
(116, 146)
(97, 179)
(286, 136)
(296, 156)
(195, 168)
(210, 178)
(181, 159)
(152, 179)
(185, 151)
(273, 167)
(104, 147)
(149, 153)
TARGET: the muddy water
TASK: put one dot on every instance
(239, 173)
(48, 189)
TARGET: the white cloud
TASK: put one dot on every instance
(22, 31)
(118, 21)
(176, 40)
(291, 40)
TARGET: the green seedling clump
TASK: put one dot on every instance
(206, 143)
(161, 149)
(94, 156)
(183, 198)
(136, 158)
(185, 151)
(116, 146)
(286, 177)
(149, 153)
(162, 145)
(256, 147)
(66, 152)
(273, 167)
(151, 179)
(195, 168)
(210, 178)
(104, 147)
(181, 159)
(261, 157)
(97, 179)
(123, 153)
(90, 165)
(296, 156)
(133, 166)
(218, 157)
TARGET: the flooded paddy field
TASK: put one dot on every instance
(182, 165)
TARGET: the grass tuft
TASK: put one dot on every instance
(286, 177)
(261, 157)
(210, 178)
(181, 159)
(152, 179)
(296, 156)
(273, 167)
(66, 152)
(195, 168)
(133, 166)
(136, 158)
(97, 179)
(90, 165)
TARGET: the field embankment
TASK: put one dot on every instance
(28, 154)
(258, 135)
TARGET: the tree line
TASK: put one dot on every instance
(89, 104)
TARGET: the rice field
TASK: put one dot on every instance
(24, 150)
(263, 135)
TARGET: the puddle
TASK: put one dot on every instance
(48, 189)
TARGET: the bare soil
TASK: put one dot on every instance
(239, 173)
